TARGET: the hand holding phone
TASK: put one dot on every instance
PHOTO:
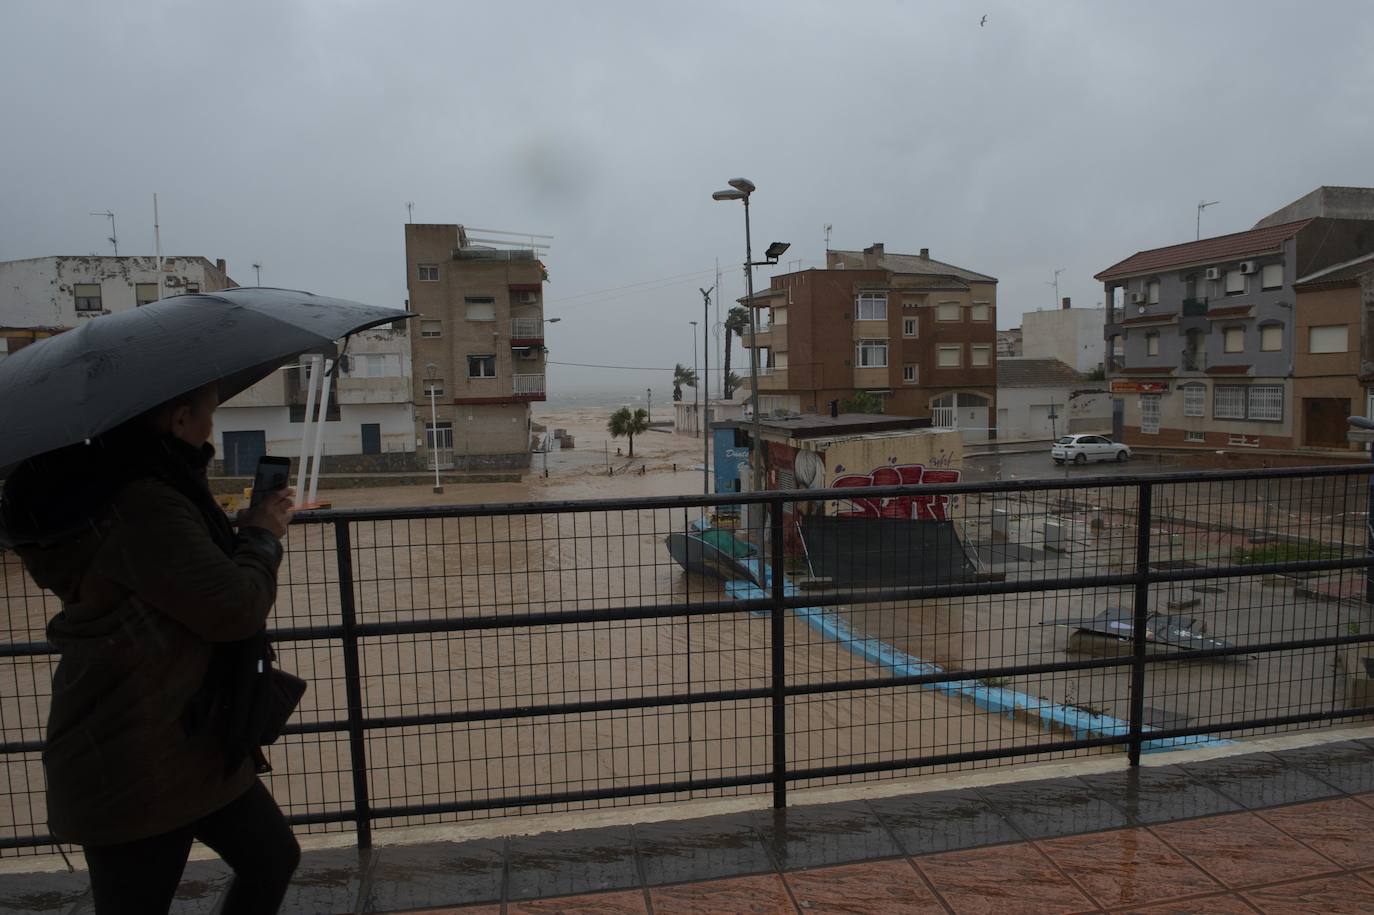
(271, 476)
(271, 504)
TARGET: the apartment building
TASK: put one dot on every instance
(1333, 359)
(1204, 335)
(916, 332)
(477, 348)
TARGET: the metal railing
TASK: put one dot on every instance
(527, 384)
(527, 328)
(483, 660)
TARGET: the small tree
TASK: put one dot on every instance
(862, 402)
(628, 424)
(682, 376)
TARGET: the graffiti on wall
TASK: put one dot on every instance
(920, 507)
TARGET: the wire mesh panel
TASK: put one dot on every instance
(479, 661)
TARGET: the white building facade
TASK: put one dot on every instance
(1071, 335)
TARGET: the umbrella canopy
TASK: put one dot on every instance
(78, 384)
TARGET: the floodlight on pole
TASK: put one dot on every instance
(776, 250)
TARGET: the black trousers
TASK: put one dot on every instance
(250, 834)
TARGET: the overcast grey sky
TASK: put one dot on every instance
(292, 133)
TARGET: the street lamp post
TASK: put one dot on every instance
(706, 397)
(431, 371)
(740, 189)
(649, 404)
(696, 388)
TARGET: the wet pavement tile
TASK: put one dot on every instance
(1336, 895)
(675, 852)
(1126, 867)
(1222, 904)
(435, 874)
(1004, 878)
(1348, 765)
(943, 821)
(570, 863)
(1340, 829)
(1259, 780)
(1057, 807)
(761, 895)
(1158, 795)
(54, 891)
(623, 902)
(1241, 850)
(327, 881)
(202, 883)
(891, 887)
(814, 836)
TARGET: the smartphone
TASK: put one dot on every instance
(273, 473)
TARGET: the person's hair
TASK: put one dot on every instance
(156, 418)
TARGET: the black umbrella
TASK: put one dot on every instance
(78, 384)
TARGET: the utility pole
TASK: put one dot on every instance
(257, 274)
(706, 399)
(114, 235)
(1202, 205)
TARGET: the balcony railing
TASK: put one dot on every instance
(527, 385)
(1115, 363)
(527, 329)
(1194, 360)
(1194, 308)
(471, 661)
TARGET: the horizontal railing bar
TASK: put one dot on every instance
(953, 676)
(1248, 724)
(646, 503)
(946, 759)
(29, 841)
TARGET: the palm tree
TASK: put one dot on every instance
(623, 422)
(682, 375)
(735, 321)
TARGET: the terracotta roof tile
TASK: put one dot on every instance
(1020, 371)
(1220, 248)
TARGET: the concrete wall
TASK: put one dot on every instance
(1338, 202)
(1021, 412)
(343, 437)
(38, 292)
(1071, 335)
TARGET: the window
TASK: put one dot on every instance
(1235, 282)
(1152, 292)
(1194, 399)
(909, 374)
(480, 308)
(1271, 277)
(429, 273)
(439, 436)
(1149, 414)
(431, 328)
(947, 311)
(482, 366)
(1152, 344)
(1197, 437)
(908, 327)
(981, 311)
(1233, 340)
(871, 306)
(1271, 338)
(87, 296)
(1334, 338)
(375, 365)
(949, 356)
(872, 354)
(1266, 402)
(979, 354)
(433, 386)
(1228, 401)
(144, 293)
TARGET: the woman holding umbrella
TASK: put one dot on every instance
(108, 505)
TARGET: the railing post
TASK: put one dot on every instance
(778, 635)
(1140, 617)
(353, 687)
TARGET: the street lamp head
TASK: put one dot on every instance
(776, 249)
(743, 185)
(552, 320)
(728, 195)
(693, 323)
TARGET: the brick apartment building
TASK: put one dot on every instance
(1333, 361)
(918, 333)
(1209, 338)
(478, 344)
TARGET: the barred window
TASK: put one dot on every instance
(871, 306)
(1149, 414)
(1228, 401)
(872, 354)
(1194, 399)
(1266, 402)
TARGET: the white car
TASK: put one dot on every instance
(1084, 448)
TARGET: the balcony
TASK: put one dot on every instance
(1194, 308)
(772, 379)
(1115, 363)
(1194, 360)
(526, 331)
(528, 387)
(763, 334)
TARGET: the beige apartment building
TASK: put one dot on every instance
(477, 348)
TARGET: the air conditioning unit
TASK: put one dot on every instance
(1213, 273)
(1248, 267)
(1137, 298)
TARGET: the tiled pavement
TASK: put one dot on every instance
(1286, 831)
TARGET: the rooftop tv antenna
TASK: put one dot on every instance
(827, 236)
(1202, 205)
(114, 235)
(410, 211)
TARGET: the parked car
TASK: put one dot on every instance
(1084, 448)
